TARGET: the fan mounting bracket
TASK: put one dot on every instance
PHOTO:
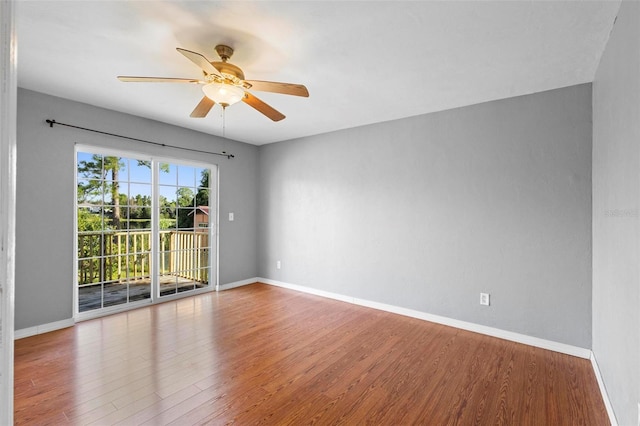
(225, 52)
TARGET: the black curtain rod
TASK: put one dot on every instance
(223, 153)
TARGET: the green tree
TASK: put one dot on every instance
(102, 174)
(202, 197)
(185, 197)
(139, 212)
(88, 221)
(185, 207)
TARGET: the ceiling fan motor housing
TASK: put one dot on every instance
(233, 73)
(229, 70)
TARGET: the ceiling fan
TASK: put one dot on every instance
(224, 84)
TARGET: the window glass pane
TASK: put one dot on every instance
(140, 171)
(90, 244)
(89, 165)
(186, 176)
(109, 192)
(108, 220)
(202, 176)
(202, 197)
(140, 206)
(167, 195)
(89, 192)
(122, 170)
(122, 217)
(165, 262)
(89, 219)
(185, 196)
(113, 167)
(138, 242)
(138, 290)
(136, 268)
(185, 218)
(186, 286)
(168, 284)
(139, 218)
(110, 267)
(90, 297)
(111, 220)
(168, 174)
(140, 194)
(202, 277)
(88, 271)
(115, 294)
(167, 219)
(143, 261)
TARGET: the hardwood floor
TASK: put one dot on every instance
(265, 355)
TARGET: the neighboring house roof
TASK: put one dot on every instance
(203, 209)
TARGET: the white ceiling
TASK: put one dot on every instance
(363, 62)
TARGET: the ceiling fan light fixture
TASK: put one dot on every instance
(224, 83)
(223, 94)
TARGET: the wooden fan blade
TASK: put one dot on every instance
(203, 108)
(200, 61)
(132, 79)
(262, 107)
(275, 87)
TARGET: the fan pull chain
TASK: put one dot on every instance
(224, 129)
(224, 124)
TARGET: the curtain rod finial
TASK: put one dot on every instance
(51, 122)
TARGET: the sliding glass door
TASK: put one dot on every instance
(183, 209)
(142, 229)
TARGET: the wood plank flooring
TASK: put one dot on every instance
(265, 355)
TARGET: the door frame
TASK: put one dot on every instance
(8, 146)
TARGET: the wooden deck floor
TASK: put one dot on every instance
(265, 355)
(91, 296)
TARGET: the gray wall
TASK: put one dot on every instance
(45, 188)
(616, 200)
(427, 212)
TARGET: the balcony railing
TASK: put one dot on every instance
(118, 256)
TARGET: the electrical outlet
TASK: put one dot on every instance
(278, 265)
(484, 299)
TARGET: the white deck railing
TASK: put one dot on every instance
(125, 255)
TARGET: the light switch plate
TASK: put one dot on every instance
(231, 217)
(484, 299)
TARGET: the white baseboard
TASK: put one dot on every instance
(235, 284)
(43, 328)
(476, 328)
(307, 290)
(603, 390)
